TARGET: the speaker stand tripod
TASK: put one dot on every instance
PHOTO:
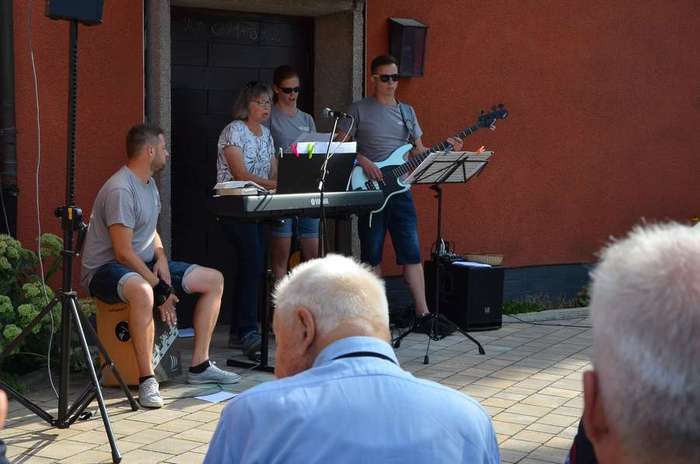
(71, 222)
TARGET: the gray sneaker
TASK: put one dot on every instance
(149, 395)
(213, 374)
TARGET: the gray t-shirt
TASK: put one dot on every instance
(257, 150)
(286, 129)
(379, 129)
(124, 199)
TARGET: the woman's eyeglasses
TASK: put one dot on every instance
(289, 90)
(263, 102)
(388, 77)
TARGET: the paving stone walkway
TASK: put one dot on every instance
(529, 381)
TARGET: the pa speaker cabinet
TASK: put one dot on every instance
(471, 297)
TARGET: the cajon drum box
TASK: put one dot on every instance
(113, 331)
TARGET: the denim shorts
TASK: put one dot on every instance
(108, 281)
(305, 227)
(399, 217)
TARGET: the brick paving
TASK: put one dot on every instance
(529, 381)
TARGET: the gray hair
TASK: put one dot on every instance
(334, 289)
(645, 307)
(252, 91)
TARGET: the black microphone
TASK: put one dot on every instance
(329, 113)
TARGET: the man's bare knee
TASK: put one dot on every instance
(138, 294)
(204, 280)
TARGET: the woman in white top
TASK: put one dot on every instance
(286, 123)
(246, 152)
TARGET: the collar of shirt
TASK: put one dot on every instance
(354, 344)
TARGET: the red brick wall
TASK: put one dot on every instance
(110, 100)
(604, 114)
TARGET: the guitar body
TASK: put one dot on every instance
(391, 184)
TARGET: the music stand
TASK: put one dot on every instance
(437, 169)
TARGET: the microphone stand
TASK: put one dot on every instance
(321, 188)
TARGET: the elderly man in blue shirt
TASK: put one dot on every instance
(341, 396)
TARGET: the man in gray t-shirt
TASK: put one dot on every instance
(380, 128)
(123, 260)
(382, 125)
(123, 199)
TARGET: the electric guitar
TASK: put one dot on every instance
(396, 168)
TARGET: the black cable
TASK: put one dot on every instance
(4, 209)
(545, 324)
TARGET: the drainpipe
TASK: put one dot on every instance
(8, 132)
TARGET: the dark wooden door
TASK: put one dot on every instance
(214, 54)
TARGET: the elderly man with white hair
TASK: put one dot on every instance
(642, 400)
(341, 396)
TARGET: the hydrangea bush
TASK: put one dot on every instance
(23, 296)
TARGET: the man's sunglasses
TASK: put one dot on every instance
(388, 77)
(290, 89)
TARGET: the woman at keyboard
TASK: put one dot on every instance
(286, 123)
(246, 152)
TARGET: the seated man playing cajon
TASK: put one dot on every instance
(124, 261)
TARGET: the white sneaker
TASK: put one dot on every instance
(213, 374)
(149, 395)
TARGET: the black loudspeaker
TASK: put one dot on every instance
(88, 12)
(471, 297)
(407, 44)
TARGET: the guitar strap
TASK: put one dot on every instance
(409, 123)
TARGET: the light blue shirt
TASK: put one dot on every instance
(353, 410)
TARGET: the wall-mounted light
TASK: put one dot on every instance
(407, 44)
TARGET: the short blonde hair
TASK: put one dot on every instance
(334, 289)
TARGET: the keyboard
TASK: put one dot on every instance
(272, 206)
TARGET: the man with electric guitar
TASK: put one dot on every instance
(382, 127)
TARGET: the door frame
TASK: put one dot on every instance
(330, 17)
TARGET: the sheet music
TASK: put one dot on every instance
(313, 137)
(321, 147)
(434, 165)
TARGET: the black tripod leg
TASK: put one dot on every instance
(431, 335)
(11, 346)
(459, 329)
(80, 404)
(109, 363)
(397, 341)
(116, 455)
(28, 404)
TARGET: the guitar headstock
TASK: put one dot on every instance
(489, 119)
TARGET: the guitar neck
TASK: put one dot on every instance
(442, 146)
